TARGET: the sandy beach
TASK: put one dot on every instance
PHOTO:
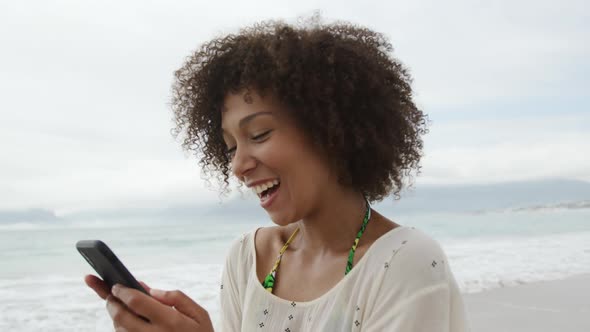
(549, 306)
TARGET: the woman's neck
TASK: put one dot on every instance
(332, 227)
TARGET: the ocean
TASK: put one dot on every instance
(41, 273)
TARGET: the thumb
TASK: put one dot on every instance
(182, 303)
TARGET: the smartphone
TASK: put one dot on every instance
(107, 265)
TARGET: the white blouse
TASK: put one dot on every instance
(402, 283)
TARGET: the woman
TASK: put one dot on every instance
(318, 120)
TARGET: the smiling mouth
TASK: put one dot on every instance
(265, 190)
(269, 191)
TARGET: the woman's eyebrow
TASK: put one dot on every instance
(249, 118)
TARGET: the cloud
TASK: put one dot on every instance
(133, 183)
(85, 120)
(508, 149)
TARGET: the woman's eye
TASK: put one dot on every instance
(230, 152)
(261, 136)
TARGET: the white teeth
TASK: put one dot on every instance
(260, 188)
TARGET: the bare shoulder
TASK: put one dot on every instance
(272, 237)
(379, 226)
(268, 241)
(265, 238)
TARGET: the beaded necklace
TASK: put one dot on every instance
(270, 279)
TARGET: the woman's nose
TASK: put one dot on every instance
(242, 162)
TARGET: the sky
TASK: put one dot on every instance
(85, 89)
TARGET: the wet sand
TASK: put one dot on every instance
(552, 306)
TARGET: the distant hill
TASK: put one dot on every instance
(470, 198)
(27, 215)
(454, 198)
(527, 195)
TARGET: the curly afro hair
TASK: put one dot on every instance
(345, 90)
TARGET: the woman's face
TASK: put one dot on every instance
(273, 157)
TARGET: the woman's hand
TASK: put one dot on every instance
(165, 310)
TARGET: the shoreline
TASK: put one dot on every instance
(557, 305)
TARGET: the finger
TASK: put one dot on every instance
(99, 286)
(182, 303)
(145, 286)
(141, 304)
(122, 317)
